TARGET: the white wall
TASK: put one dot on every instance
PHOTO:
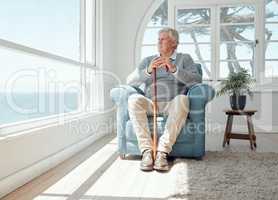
(265, 120)
(129, 15)
(108, 62)
(28, 154)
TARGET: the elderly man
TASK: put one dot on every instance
(172, 101)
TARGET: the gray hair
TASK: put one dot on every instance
(172, 32)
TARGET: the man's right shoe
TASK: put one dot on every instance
(147, 160)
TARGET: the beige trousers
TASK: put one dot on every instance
(177, 110)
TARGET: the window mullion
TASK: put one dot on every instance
(82, 39)
(82, 32)
(259, 48)
(37, 52)
(216, 43)
(171, 14)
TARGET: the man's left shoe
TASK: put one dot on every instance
(147, 160)
(161, 163)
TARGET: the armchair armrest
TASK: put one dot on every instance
(199, 95)
(120, 94)
(203, 91)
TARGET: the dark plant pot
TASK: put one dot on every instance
(238, 102)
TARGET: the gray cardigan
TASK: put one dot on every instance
(168, 84)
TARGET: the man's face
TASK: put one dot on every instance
(165, 43)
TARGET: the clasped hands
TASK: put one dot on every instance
(161, 62)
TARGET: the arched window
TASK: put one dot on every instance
(222, 37)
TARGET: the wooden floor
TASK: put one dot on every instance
(98, 173)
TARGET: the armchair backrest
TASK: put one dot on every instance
(199, 67)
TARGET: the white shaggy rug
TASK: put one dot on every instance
(228, 175)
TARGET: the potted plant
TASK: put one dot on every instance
(237, 85)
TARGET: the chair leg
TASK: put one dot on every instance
(200, 158)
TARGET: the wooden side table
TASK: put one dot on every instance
(228, 131)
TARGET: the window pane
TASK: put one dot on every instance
(272, 11)
(236, 51)
(271, 31)
(160, 17)
(201, 52)
(237, 33)
(271, 50)
(226, 67)
(148, 51)
(194, 34)
(50, 25)
(32, 87)
(271, 68)
(151, 36)
(238, 14)
(193, 16)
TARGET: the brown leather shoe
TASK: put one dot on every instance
(147, 160)
(161, 163)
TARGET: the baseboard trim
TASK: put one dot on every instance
(219, 128)
(16, 180)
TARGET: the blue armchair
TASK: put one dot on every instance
(190, 142)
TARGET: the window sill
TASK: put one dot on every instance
(20, 128)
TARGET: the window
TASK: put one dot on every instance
(237, 36)
(194, 26)
(271, 39)
(221, 36)
(45, 47)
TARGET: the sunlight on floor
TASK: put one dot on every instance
(124, 179)
(101, 176)
(182, 167)
(50, 198)
(76, 180)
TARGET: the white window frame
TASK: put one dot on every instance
(256, 49)
(15, 127)
(274, 79)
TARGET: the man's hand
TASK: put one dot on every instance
(156, 63)
(161, 62)
(171, 67)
